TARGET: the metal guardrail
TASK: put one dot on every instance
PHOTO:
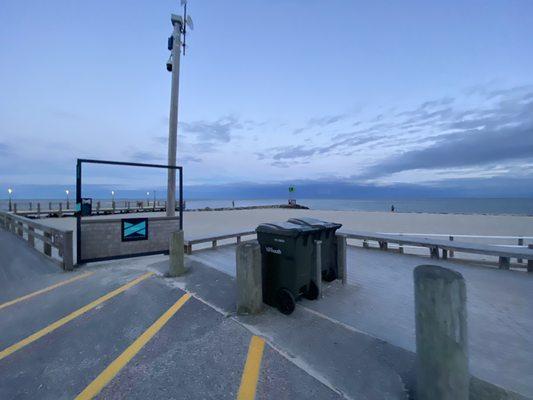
(29, 230)
(214, 239)
(504, 253)
(520, 240)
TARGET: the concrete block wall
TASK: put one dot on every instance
(101, 237)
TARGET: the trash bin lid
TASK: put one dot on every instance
(284, 229)
(315, 223)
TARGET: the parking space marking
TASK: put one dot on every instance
(114, 368)
(46, 289)
(250, 375)
(80, 311)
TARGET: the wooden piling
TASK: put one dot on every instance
(441, 334)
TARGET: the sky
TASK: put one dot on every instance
(356, 97)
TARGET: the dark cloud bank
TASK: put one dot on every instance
(444, 137)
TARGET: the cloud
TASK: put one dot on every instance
(326, 120)
(220, 130)
(4, 149)
(482, 137)
(146, 156)
(345, 147)
(320, 122)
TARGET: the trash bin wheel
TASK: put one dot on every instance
(312, 291)
(285, 301)
(329, 275)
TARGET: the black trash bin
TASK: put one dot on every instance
(325, 233)
(287, 258)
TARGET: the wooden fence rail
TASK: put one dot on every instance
(29, 230)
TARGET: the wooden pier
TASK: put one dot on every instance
(56, 209)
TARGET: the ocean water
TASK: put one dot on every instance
(517, 206)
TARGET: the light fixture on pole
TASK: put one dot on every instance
(175, 45)
(68, 200)
(10, 191)
(148, 198)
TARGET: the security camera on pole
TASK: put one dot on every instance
(175, 45)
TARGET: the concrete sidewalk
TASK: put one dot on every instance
(379, 300)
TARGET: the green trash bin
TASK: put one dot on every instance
(325, 233)
(287, 260)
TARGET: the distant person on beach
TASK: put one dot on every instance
(392, 208)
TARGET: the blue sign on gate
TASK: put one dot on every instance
(134, 229)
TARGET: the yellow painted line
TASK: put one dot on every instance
(46, 289)
(114, 368)
(250, 375)
(80, 311)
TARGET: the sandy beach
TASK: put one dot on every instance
(204, 223)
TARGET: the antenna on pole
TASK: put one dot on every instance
(187, 22)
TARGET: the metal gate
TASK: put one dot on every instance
(107, 237)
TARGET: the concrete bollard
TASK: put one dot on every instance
(341, 259)
(176, 257)
(441, 334)
(249, 279)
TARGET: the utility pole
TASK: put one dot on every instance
(177, 22)
(173, 64)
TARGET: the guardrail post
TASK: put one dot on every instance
(249, 280)
(504, 262)
(441, 334)
(68, 256)
(38, 210)
(530, 261)
(176, 257)
(434, 252)
(341, 259)
(520, 243)
(318, 267)
(47, 246)
(451, 253)
(31, 238)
